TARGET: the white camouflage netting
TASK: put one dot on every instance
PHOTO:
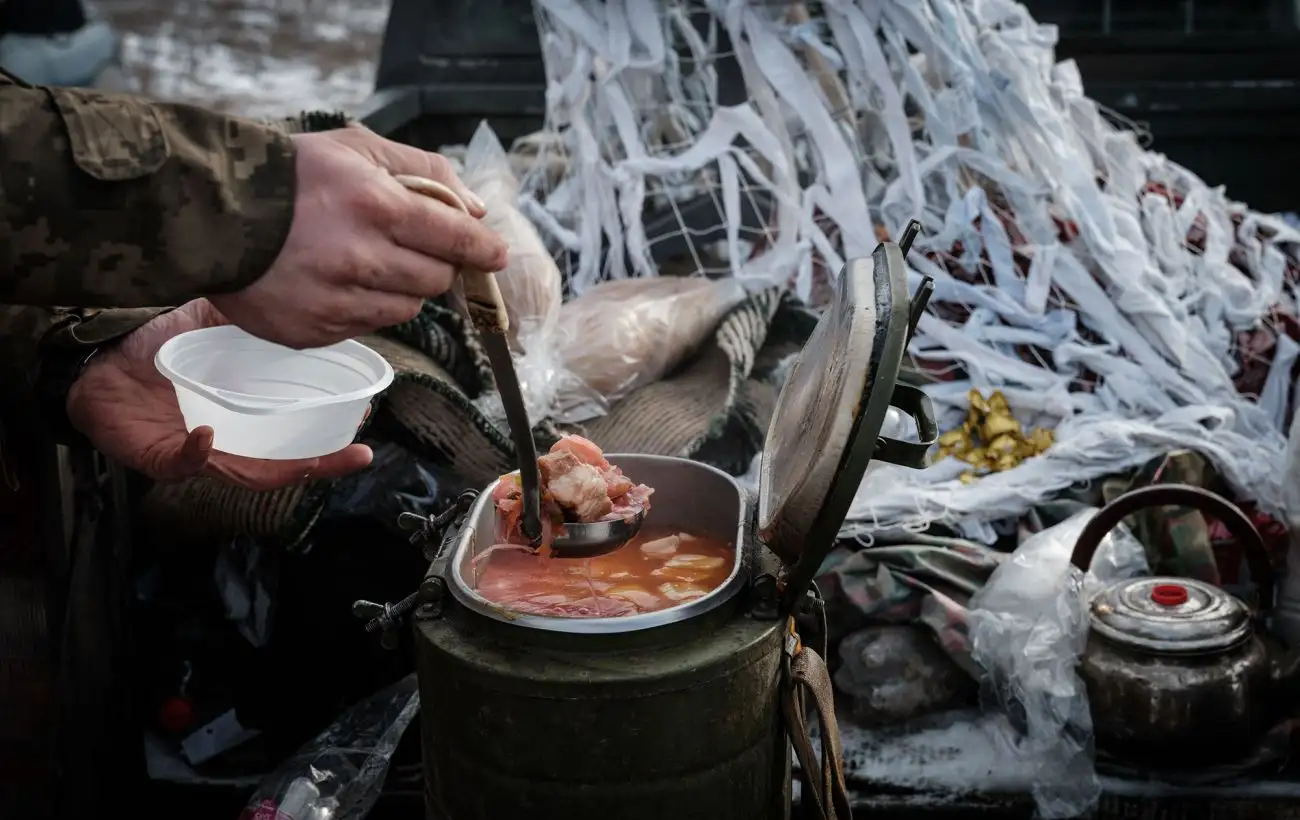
(863, 115)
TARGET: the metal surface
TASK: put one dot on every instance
(667, 714)
(596, 538)
(686, 730)
(1229, 514)
(385, 619)
(1177, 676)
(689, 496)
(826, 426)
(1132, 613)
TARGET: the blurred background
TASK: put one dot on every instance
(252, 57)
(1213, 80)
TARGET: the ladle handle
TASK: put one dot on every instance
(487, 309)
(1181, 495)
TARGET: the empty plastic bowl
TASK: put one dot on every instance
(263, 400)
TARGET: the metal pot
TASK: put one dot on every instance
(633, 717)
(681, 713)
(1179, 673)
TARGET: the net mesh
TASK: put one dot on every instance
(1109, 293)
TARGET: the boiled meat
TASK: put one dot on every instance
(579, 485)
(575, 486)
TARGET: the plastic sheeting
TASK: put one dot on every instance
(1099, 285)
(1029, 625)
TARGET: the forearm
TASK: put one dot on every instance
(42, 351)
(109, 200)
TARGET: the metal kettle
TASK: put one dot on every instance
(1179, 673)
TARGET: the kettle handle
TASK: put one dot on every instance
(1182, 495)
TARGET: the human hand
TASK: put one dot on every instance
(129, 412)
(362, 252)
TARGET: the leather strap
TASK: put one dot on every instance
(825, 795)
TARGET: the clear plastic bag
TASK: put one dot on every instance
(621, 335)
(1028, 627)
(573, 359)
(339, 774)
(531, 285)
(894, 673)
(532, 289)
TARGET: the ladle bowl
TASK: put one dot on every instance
(597, 538)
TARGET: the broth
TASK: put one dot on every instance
(659, 569)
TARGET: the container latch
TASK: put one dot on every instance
(426, 602)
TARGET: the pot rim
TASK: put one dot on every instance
(469, 598)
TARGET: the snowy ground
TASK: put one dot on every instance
(251, 57)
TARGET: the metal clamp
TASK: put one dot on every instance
(386, 619)
(424, 528)
(436, 534)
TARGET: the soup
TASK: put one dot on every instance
(657, 570)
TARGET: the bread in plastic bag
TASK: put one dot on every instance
(620, 335)
(574, 358)
(532, 289)
(531, 285)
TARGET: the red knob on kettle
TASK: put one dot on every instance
(1169, 594)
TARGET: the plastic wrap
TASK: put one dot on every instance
(531, 284)
(532, 289)
(1029, 626)
(573, 359)
(892, 674)
(339, 774)
(618, 336)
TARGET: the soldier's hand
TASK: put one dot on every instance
(129, 412)
(363, 252)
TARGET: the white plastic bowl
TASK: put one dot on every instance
(263, 400)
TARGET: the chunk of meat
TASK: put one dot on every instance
(584, 450)
(628, 504)
(579, 485)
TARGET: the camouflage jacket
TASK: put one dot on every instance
(111, 201)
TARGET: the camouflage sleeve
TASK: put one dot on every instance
(111, 200)
(42, 351)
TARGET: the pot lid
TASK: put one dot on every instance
(825, 428)
(1170, 615)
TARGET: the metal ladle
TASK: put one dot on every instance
(488, 314)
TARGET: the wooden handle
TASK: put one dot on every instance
(487, 310)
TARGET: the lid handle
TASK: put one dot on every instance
(1181, 495)
(915, 403)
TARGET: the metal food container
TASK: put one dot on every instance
(689, 496)
(673, 713)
